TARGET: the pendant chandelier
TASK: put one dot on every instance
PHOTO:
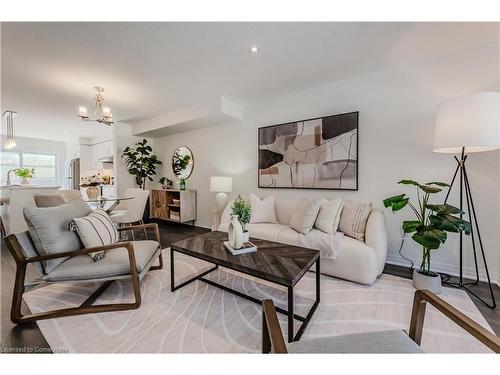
(103, 114)
(10, 141)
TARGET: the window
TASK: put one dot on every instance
(43, 164)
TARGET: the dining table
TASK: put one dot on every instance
(101, 202)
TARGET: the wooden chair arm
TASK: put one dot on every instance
(272, 337)
(143, 226)
(418, 314)
(128, 245)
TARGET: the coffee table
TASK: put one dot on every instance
(274, 262)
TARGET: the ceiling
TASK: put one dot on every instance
(49, 69)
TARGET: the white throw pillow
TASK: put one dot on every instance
(263, 210)
(304, 216)
(353, 219)
(329, 215)
(96, 229)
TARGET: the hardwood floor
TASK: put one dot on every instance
(28, 338)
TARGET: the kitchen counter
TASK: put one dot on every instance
(14, 198)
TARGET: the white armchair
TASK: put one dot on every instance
(131, 211)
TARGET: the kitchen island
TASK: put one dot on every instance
(14, 198)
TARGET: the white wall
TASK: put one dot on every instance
(43, 146)
(397, 108)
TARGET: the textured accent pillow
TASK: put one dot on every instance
(48, 227)
(263, 210)
(353, 219)
(329, 215)
(96, 229)
(304, 216)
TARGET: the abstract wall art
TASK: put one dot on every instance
(320, 153)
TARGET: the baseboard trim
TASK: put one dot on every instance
(468, 272)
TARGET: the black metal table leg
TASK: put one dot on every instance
(172, 278)
(309, 315)
(318, 274)
(290, 314)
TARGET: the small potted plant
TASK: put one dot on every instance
(92, 184)
(429, 230)
(166, 183)
(242, 209)
(24, 174)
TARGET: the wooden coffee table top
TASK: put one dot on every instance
(276, 262)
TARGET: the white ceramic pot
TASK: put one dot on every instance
(432, 283)
(235, 232)
(246, 236)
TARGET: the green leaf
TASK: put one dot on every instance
(425, 242)
(460, 224)
(409, 182)
(411, 226)
(397, 202)
(442, 184)
(444, 209)
(430, 189)
(443, 223)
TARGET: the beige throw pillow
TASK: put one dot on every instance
(329, 215)
(263, 210)
(304, 216)
(353, 219)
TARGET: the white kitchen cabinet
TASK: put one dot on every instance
(100, 150)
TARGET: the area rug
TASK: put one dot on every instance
(200, 318)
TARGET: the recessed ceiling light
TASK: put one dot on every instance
(255, 49)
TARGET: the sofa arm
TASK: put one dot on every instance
(376, 236)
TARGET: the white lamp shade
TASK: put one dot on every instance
(221, 184)
(471, 121)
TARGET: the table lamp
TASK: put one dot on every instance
(221, 186)
(464, 125)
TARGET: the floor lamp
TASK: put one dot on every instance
(464, 125)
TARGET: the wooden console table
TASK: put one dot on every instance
(174, 205)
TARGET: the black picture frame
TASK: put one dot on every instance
(356, 188)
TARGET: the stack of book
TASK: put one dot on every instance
(174, 215)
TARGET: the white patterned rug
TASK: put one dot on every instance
(200, 318)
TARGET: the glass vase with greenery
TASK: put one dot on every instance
(24, 174)
(433, 220)
(243, 211)
(141, 163)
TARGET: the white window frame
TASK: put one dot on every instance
(21, 160)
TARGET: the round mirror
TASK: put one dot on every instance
(182, 162)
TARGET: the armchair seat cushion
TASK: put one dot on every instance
(372, 342)
(116, 263)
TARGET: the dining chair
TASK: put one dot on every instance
(393, 341)
(130, 212)
(56, 199)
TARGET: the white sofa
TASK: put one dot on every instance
(357, 261)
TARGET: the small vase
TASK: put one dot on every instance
(235, 232)
(92, 192)
(182, 184)
(25, 181)
(432, 283)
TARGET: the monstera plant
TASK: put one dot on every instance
(430, 228)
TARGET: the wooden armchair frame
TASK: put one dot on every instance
(87, 306)
(272, 337)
